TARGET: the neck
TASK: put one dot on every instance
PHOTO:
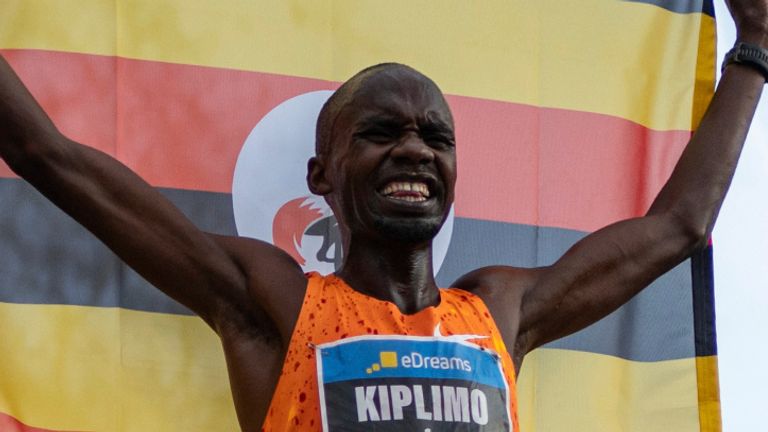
(394, 272)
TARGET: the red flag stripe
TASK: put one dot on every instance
(182, 126)
(10, 424)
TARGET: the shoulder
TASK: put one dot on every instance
(497, 280)
(275, 284)
(503, 290)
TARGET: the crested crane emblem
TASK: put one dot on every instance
(302, 217)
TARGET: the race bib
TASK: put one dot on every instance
(411, 383)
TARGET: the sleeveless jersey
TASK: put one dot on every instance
(356, 363)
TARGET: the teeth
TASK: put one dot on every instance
(420, 188)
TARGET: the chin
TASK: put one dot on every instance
(409, 230)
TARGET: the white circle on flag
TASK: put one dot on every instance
(270, 197)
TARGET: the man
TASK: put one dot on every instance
(386, 165)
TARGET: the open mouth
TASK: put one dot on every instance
(406, 191)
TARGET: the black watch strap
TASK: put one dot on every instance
(749, 55)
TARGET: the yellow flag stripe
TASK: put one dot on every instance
(705, 73)
(709, 394)
(587, 392)
(573, 55)
(109, 369)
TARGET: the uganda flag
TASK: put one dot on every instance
(570, 116)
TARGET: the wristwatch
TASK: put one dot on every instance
(749, 55)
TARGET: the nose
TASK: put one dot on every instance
(412, 148)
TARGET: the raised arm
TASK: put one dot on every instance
(206, 273)
(610, 266)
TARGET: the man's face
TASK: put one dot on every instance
(392, 160)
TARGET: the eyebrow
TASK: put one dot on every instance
(429, 123)
(436, 126)
(381, 120)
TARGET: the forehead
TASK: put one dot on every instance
(397, 94)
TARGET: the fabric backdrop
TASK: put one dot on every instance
(570, 116)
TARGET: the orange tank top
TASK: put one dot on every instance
(356, 363)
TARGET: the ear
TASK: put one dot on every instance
(316, 178)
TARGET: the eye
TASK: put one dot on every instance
(440, 141)
(376, 135)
